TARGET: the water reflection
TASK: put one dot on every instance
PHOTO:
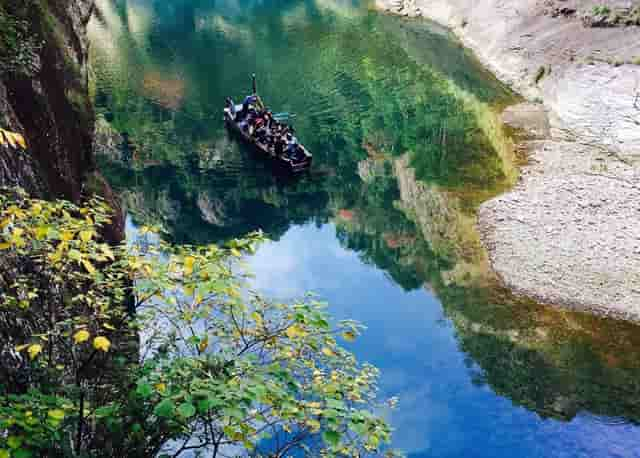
(405, 133)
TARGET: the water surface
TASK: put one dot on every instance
(404, 127)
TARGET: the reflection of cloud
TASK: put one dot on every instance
(343, 8)
(219, 25)
(139, 20)
(297, 263)
(104, 33)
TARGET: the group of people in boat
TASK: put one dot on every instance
(260, 124)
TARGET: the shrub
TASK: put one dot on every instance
(601, 10)
(219, 369)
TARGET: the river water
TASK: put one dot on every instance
(404, 127)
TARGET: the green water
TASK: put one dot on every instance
(404, 128)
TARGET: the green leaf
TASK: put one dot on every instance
(204, 405)
(14, 441)
(331, 437)
(104, 411)
(165, 409)
(22, 453)
(56, 414)
(335, 404)
(144, 390)
(186, 410)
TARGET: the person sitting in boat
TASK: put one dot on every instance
(292, 149)
(248, 104)
(279, 146)
(261, 132)
(290, 139)
(232, 108)
(268, 119)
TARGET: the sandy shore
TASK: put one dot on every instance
(569, 232)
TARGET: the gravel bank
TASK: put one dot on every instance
(569, 232)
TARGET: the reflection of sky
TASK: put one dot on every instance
(441, 413)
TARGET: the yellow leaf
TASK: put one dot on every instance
(34, 350)
(21, 347)
(235, 252)
(204, 343)
(41, 232)
(161, 387)
(20, 140)
(81, 336)
(328, 352)
(5, 246)
(56, 414)
(87, 265)
(107, 252)
(188, 265)
(257, 318)
(349, 336)
(67, 236)
(101, 343)
(36, 208)
(109, 327)
(314, 425)
(85, 236)
(295, 331)
(9, 138)
(15, 139)
(55, 257)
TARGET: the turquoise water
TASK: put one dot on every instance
(404, 127)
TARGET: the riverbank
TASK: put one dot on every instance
(567, 234)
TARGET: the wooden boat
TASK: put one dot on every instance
(295, 159)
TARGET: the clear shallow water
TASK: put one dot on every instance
(404, 129)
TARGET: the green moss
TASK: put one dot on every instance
(18, 46)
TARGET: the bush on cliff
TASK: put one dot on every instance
(147, 349)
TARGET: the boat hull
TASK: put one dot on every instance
(285, 163)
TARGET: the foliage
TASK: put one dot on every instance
(13, 139)
(219, 368)
(601, 10)
(18, 47)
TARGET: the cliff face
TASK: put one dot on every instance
(44, 96)
(586, 75)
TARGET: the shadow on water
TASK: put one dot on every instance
(407, 141)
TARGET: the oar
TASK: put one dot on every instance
(284, 115)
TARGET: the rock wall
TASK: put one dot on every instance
(45, 98)
(586, 76)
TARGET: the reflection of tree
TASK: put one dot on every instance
(553, 376)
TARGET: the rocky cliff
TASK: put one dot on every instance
(44, 96)
(550, 50)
